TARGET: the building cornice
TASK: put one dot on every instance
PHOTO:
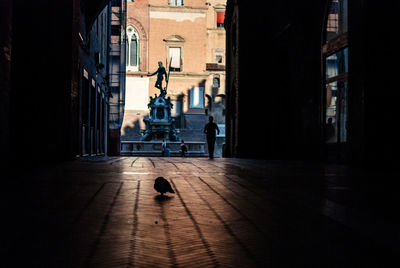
(220, 8)
(193, 75)
(218, 30)
(174, 39)
(183, 9)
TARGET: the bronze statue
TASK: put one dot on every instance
(160, 76)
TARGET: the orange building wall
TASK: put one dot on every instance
(194, 50)
(188, 22)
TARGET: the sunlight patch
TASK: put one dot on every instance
(135, 173)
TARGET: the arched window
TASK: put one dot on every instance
(132, 61)
(335, 53)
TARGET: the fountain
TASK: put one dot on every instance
(160, 125)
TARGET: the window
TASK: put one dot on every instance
(132, 61)
(220, 19)
(336, 64)
(176, 2)
(174, 49)
(336, 73)
(116, 30)
(197, 97)
(116, 3)
(336, 68)
(337, 19)
(133, 49)
(215, 82)
(175, 58)
(336, 111)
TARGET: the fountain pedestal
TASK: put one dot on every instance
(160, 125)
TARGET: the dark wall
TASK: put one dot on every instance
(279, 79)
(5, 77)
(41, 79)
(373, 30)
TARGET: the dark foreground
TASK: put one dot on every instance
(224, 213)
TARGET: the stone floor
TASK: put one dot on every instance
(225, 213)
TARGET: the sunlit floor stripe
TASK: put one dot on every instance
(135, 173)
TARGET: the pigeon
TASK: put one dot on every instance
(162, 186)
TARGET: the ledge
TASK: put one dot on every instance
(187, 9)
(215, 67)
(188, 74)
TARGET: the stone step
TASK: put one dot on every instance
(158, 154)
(153, 148)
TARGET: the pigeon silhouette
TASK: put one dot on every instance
(162, 186)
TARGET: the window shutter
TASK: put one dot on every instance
(175, 56)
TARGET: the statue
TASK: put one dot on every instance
(160, 76)
(160, 125)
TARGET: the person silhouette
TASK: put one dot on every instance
(163, 147)
(330, 130)
(209, 129)
(183, 148)
(160, 76)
